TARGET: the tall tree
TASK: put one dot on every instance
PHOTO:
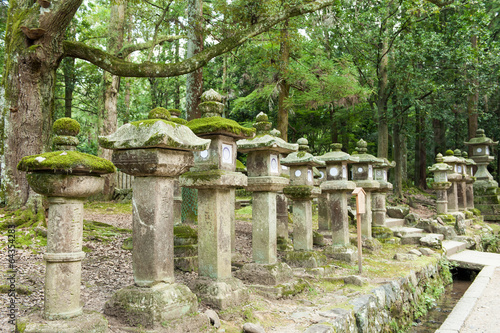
(194, 80)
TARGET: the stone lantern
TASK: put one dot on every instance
(339, 189)
(362, 175)
(379, 195)
(324, 222)
(282, 207)
(264, 180)
(155, 151)
(469, 180)
(301, 190)
(441, 183)
(454, 177)
(481, 149)
(66, 177)
(214, 176)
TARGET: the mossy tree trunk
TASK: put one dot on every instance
(29, 81)
(284, 86)
(109, 111)
(382, 99)
(194, 80)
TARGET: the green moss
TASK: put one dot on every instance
(468, 214)
(179, 121)
(298, 191)
(67, 140)
(381, 232)
(66, 161)
(214, 124)
(447, 218)
(151, 122)
(185, 231)
(66, 126)
(128, 244)
(475, 211)
(301, 154)
(20, 289)
(240, 167)
(101, 232)
(207, 175)
(159, 113)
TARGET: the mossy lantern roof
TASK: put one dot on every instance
(337, 155)
(439, 165)
(302, 157)
(66, 162)
(265, 139)
(154, 133)
(386, 164)
(363, 156)
(219, 125)
(481, 139)
(451, 158)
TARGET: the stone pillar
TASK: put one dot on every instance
(264, 228)
(232, 218)
(367, 217)
(302, 225)
(214, 243)
(455, 200)
(153, 227)
(469, 180)
(340, 218)
(441, 201)
(441, 183)
(282, 217)
(324, 220)
(64, 257)
(177, 203)
(452, 194)
(378, 208)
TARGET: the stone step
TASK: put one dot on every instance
(412, 239)
(403, 231)
(392, 222)
(451, 247)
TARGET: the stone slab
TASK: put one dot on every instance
(451, 247)
(475, 259)
(88, 322)
(394, 222)
(406, 231)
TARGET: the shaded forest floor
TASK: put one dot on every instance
(108, 268)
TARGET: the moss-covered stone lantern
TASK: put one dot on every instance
(362, 175)
(214, 176)
(441, 183)
(486, 193)
(379, 195)
(469, 180)
(338, 188)
(264, 180)
(454, 177)
(301, 190)
(66, 177)
(154, 151)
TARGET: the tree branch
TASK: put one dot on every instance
(120, 67)
(128, 49)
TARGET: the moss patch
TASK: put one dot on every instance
(298, 191)
(214, 124)
(67, 162)
(66, 126)
(159, 113)
(101, 232)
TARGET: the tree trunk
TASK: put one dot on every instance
(194, 80)
(284, 87)
(68, 65)
(439, 136)
(109, 112)
(473, 96)
(383, 128)
(420, 154)
(29, 81)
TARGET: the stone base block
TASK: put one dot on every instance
(284, 244)
(347, 253)
(411, 239)
(284, 290)
(270, 275)
(190, 250)
(318, 239)
(221, 294)
(151, 306)
(88, 322)
(307, 259)
(186, 264)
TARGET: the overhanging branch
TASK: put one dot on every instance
(123, 68)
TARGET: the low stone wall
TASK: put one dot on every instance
(392, 307)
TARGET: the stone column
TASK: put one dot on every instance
(340, 218)
(282, 217)
(177, 203)
(441, 183)
(441, 201)
(264, 228)
(66, 177)
(378, 208)
(452, 194)
(302, 225)
(232, 217)
(324, 221)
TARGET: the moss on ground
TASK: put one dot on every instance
(101, 232)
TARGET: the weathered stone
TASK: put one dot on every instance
(252, 328)
(88, 322)
(398, 212)
(426, 251)
(220, 294)
(213, 317)
(265, 274)
(318, 239)
(460, 226)
(146, 306)
(346, 253)
(264, 246)
(415, 252)
(431, 240)
(355, 280)
(412, 219)
(371, 244)
(308, 259)
(319, 328)
(405, 257)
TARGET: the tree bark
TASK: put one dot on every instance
(29, 81)
(69, 84)
(383, 128)
(284, 87)
(473, 97)
(194, 80)
(420, 154)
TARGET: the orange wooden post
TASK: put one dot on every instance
(360, 209)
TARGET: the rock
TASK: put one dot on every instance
(426, 251)
(318, 239)
(447, 231)
(319, 328)
(398, 212)
(355, 280)
(460, 226)
(427, 225)
(371, 244)
(404, 256)
(252, 328)
(415, 252)
(412, 219)
(431, 240)
(265, 274)
(214, 318)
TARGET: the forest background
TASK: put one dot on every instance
(411, 77)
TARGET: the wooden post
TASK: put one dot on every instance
(360, 209)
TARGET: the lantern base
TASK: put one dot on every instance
(87, 322)
(270, 275)
(221, 294)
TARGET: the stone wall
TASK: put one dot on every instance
(392, 307)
